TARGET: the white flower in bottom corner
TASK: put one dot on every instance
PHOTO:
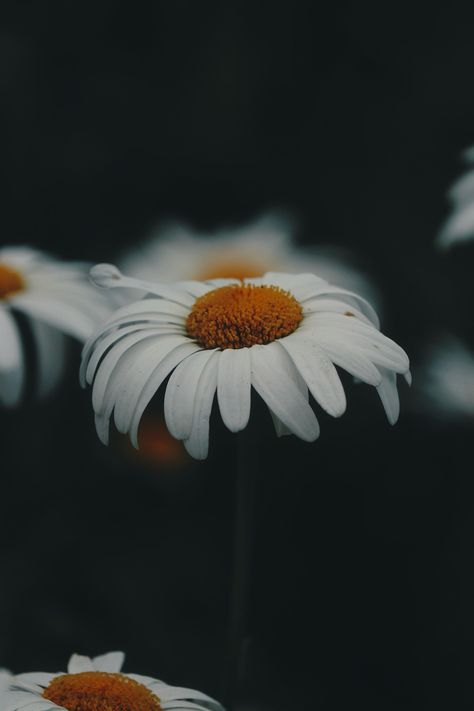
(99, 685)
(280, 334)
(56, 299)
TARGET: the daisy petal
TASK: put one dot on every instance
(111, 662)
(154, 381)
(233, 388)
(11, 361)
(318, 372)
(79, 663)
(388, 394)
(197, 444)
(51, 356)
(181, 391)
(270, 368)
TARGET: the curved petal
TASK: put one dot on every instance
(197, 444)
(145, 363)
(233, 388)
(310, 303)
(51, 355)
(270, 366)
(56, 313)
(12, 364)
(388, 394)
(317, 370)
(165, 367)
(181, 392)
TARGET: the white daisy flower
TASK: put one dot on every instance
(459, 227)
(446, 384)
(280, 334)
(99, 685)
(57, 300)
(177, 252)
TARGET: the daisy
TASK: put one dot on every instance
(177, 252)
(459, 227)
(57, 300)
(280, 334)
(99, 685)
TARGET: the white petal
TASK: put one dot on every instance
(282, 430)
(111, 662)
(233, 388)
(38, 678)
(310, 303)
(352, 360)
(113, 359)
(180, 394)
(388, 394)
(56, 313)
(459, 226)
(297, 284)
(197, 444)
(270, 368)
(51, 356)
(11, 361)
(323, 305)
(108, 276)
(154, 381)
(318, 372)
(79, 663)
(146, 360)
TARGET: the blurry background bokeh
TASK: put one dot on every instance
(116, 118)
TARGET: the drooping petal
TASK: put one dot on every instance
(11, 361)
(197, 444)
(233, 388)
(154, 381)
(310, 303)
(318, 372)
(270, 365)
(281, 429)
(181, 392)
(51, 356)
(56, 313)
(388, 394)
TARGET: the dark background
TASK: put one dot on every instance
(114, 116)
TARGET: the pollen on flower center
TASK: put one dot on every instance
(10, 281)
(240, 316)
(100, 691)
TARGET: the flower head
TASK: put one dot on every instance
(280, 334)
(57, 300)
(99, 685)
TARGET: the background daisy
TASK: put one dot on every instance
(56, 300)
(459, 226)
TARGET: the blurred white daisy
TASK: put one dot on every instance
(280, 334)
(446, 384)
(57, 300)
(99, 685)
(177, 252)
(459, 227)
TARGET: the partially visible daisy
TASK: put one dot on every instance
(5, 677)
(176, 252)
(57, 300)
(280, 334)
(99, 685)
(446, 383)
(459, 227)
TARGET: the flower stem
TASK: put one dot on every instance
(244, 524)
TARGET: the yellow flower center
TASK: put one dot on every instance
(100, 691)
(10, 281)
(240, 316)
(231, 269)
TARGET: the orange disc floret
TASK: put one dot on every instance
(243, 315)
(100, 691)
(10, 281)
